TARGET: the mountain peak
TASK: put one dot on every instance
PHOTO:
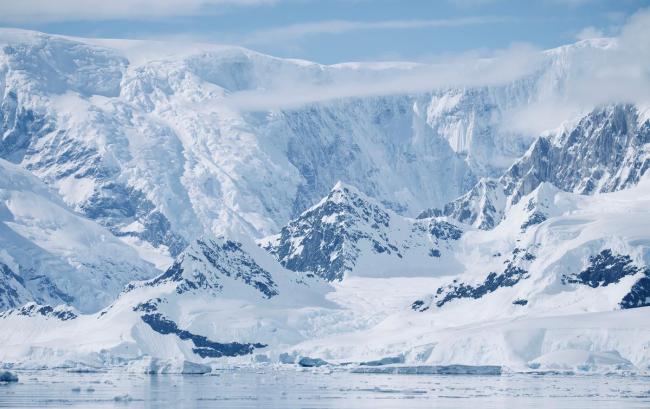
(605, 151)
(210, 263)
(349, 233)
(345, 192)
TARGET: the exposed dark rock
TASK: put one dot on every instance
(327, 239)
(445, 231)
(203, 346)
(6, 376)
(428, 213)
(607, 268)
(419, 305)
(604, 269)
(115, 205)
(112, 204)
(479, 202)
(323, 231)
(511, 275)
(62, 313)
(148, 306)
(44, 285)
(535, 218)
(604, 152)
(19, 128)
(508, 278)
(216, 259)
(10, 284)
(639, 295)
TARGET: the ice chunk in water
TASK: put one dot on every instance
(311, 362)
(6, 376)
(432, 370)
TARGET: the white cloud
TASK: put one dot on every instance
(341, 26)
(608, 71)
(466, 70)
(589, 32)
(30, 11)
(595, 76)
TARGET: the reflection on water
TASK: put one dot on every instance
(250, 388)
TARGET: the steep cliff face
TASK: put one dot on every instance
(606, 151)
(147, 139)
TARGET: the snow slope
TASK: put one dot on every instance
(558, 294)
(53, 255)
(516, 302)
(220, 299)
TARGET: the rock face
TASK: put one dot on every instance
(31, 309)
(6, 376)
(608, 268)
(228, 299)
(207, 262)
(606, 151)
(203, 347)
(12, 289)
(639, 295)
(510, 276)
(220, 299)
(605, 268)
(347, 229)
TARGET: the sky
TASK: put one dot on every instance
(332, 31)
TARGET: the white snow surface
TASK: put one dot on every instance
(57, 251)
(94, 118)
(118, 155)
(564, 326)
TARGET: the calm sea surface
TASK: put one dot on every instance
(268, 388)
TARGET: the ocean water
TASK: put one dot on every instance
(271, 388)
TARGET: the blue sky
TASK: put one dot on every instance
(331, 31)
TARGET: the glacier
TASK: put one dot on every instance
(156, 218)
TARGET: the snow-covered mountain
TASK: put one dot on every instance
(561, 293)
(156, 208)
(219, 299)
(348, 233)
(607, 150)
(50, 254)
(522, 286)
(149, 139)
